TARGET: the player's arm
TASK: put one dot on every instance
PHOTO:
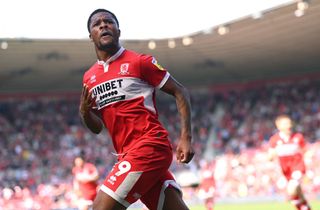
(184, 151)
(93, 174)
(89, 118)
(76, 188)
(302, 145)
(87, 176)
(272, 154)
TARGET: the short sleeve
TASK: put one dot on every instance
(301, 140)
(91, 168)
(85, 79)
(74, 171)
(152, 72)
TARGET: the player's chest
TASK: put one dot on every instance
(287, 144)
(294, 139)
(121, 81)
(114, 77)
(105, 72)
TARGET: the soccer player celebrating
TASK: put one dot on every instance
(85, 182)
(118, 93)
(289, 147)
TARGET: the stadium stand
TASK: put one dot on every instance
(41, 133)
(40, 137)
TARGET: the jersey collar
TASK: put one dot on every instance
(284, 137)
(112, 58)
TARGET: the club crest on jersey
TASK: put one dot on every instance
(155, 62)
(124, 69)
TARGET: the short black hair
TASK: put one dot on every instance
(82, 154)
(97, 11)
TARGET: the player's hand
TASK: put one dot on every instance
(184, 152)
(86, 101)
(271, 154)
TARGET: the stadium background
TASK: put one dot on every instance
(240, 74)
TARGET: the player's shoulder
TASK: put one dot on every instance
(75, 170)
(91, 70)
(274, 137)
(134, 56)
(131, 54)
(298, 135)
(89, 165)
(140, 56)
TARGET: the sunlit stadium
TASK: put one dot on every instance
(244, 63)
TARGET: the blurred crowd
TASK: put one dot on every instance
(41, 136)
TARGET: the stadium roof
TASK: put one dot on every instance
(143, 19)
(274, 45)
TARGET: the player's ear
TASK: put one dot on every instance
(119, 31)
(90, 37)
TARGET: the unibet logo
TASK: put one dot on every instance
(107, 92)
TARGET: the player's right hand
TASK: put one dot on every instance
(86, 101)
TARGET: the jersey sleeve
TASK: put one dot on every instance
(152, 72)
(85, 79)
(90, 168)
(301, 141)
(74, 171)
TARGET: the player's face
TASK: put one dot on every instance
(78, 162)
(104, 31)
(284, 124)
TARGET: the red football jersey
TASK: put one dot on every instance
(124, 88)
(88, 189)
(207, 178)
(289, 150)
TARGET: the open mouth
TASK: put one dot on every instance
(105, 34)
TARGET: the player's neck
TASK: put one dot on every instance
(104, 55)
(285, 134)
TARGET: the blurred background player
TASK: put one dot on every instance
(289, 147)
(85, 182)
(207, 184)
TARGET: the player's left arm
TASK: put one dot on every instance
(302, 144)
(184, 151)
(89, 175)
(94, 174)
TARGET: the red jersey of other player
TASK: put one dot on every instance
(289, 147)
(85, 182)
(207, 184)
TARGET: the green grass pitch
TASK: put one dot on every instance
(315, 205)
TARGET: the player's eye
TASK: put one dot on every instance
(109, 21)
(96, 23)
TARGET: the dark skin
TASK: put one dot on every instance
(104, 33)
